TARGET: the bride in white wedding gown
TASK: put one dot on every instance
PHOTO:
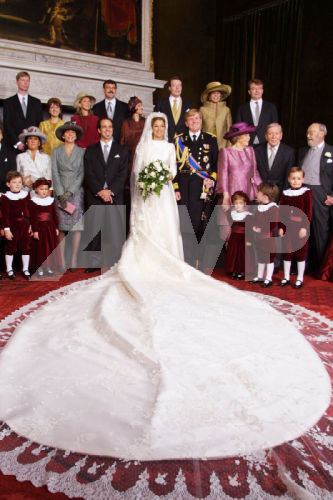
(156, 360)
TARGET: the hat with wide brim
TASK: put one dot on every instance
(32, 131)
(239, 128)
(216, 87)
(80, 96)
(69, 126)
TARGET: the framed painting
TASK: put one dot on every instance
(112, 28)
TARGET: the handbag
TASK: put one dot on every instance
(69, 208)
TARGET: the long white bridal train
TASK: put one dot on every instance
(156, 360)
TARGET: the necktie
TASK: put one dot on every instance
(106, 152)
(256, 113)
(194, 138)
(271, 157)
(109, 110)
(24, 107)
(175, 111)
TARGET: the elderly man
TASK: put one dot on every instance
(274, 158)
(112, 108)
(174, 107)
(257, 112)
(317, 163)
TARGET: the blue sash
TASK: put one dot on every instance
(195, 167)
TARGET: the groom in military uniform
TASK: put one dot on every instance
(194, 183)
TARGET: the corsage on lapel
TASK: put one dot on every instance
(328, 155)
(117, 156)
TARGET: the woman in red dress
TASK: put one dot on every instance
(85, 118)
(44, 225)
(131, 132)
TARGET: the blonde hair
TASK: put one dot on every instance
(192, 112)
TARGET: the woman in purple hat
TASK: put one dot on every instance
(237, 167)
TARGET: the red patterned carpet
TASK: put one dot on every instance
(287, 471)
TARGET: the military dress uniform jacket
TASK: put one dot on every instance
(205, 151)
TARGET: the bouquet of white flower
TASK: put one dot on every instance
(152, 178)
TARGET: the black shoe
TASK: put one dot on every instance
(284, 282)
(89, 270)
(256, 280)
(11, 275)
(298, 284)
(267, 283)
(234, 276)
(240, 276)
(26, 275)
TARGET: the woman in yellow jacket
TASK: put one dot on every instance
(216, 114)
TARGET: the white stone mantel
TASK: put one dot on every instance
(63, 73)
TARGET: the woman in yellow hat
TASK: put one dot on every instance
(216, 116)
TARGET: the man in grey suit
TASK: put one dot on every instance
(317, 163)
(257, 112)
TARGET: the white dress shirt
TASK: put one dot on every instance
(197, 135)
(253, 108)
(173, 99)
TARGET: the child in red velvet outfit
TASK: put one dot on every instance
(44, 225)
(298, 224)
(239, 251)
(16, 223)
(265, 226)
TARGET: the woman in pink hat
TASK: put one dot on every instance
(237, 167)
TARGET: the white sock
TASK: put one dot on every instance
(25, 262)
(9, 262)
(300, 270)
(269, 271)
(261, 269)
(286, 269)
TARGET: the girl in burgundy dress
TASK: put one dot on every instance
(239, 250)
(16, 223)
(265, 226)
(295, 231)
(44, 225)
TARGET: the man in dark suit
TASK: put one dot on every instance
(274, 158)
(20, 111)
(317, 163)
(192, 190)
(174, 107)
(106, 166)
(257, 112)
(113, 108)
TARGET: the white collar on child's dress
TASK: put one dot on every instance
(16, 196)
(295, 192)
(264, 208)
(239, 216)
(43, 202)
